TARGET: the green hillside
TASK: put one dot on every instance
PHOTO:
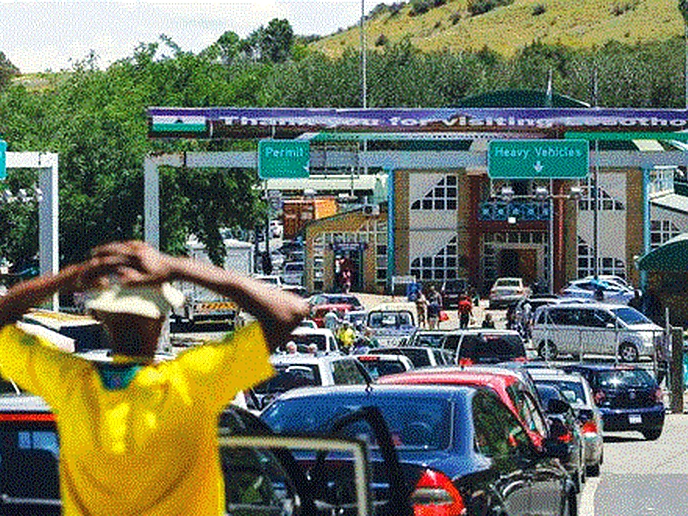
(506, 29)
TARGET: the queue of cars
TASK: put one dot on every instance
(456, 421)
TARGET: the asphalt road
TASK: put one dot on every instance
(642, 478)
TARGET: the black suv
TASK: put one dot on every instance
(451, 291)
(628, 397)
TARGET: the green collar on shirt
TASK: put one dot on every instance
(117, 375)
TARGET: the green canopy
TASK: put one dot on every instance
(670, 256)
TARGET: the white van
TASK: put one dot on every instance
(594, 328)
(392, 323)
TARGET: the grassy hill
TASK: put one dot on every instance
(506, 29)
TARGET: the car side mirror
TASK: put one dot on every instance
(610, 325)
(556, 449)
(557, 407)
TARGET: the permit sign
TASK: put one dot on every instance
(3, 159)
(283, 159)
(535, 159)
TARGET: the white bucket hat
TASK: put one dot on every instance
(152, 302)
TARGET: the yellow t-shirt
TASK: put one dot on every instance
(146, 445)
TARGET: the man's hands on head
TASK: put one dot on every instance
(137, 263)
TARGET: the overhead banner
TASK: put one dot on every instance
(252, 123)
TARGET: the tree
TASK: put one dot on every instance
(7, 71)
(278, 38)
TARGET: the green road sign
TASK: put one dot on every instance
(533, 159)
(283, 159)
(3, 159)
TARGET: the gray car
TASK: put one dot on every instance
(578, 393)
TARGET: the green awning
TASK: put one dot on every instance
(670, 256)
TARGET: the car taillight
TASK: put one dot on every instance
(436, 495)
(659, 395)
(589, 427)
(600, 396)
(565, 438)
(21, 416)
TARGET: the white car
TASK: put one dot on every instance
(507, 292)
(304, 370)
(322, 337)
(586, 289)
(594, 328)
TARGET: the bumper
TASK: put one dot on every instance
(593, 448)
(616, 420)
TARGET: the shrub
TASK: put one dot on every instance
(622, 7)
(477, 7)
(539, 9)
(420, 7)
(423, 6)
(455, 18)
(381, 40)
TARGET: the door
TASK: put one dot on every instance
(496, 436)
(509, 263)
(600, 331)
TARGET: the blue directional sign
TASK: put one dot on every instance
(3, 159)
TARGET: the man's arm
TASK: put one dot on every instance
(278, 312)
(27, 294)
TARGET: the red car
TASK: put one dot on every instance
(513, 392)
(318, 312)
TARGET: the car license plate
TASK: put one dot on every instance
(635, 419)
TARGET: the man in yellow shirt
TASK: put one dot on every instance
(138, 437)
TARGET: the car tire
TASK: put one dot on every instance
(547, 350)
(628, 352)
(594, 470)
(652, 434)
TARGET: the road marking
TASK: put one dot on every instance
(587, 499)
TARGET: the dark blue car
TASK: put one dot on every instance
(461, 450)
(628, 397)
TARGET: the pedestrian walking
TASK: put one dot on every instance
(422, 308)
(139, 437)
(465, 310)
(434, 307)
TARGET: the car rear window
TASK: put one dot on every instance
(625, 378)
(492, 348)
(378, 368)
(307, 339)
(416, 422)
(572, 391)
(429, 340)
(289, 377)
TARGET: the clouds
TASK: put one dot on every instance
(50, 35)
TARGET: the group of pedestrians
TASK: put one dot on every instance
(429, 308)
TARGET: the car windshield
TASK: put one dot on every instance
(631, 316)
(428, 339)
(572, 391)
(625, 378)
(289, 377)
(454, 285)
(492, 348)
(508, 282)
(415, 421)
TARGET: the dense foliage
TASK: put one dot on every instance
(96, 119)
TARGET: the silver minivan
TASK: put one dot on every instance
(594, 328)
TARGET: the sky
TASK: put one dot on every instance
(53, 34)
